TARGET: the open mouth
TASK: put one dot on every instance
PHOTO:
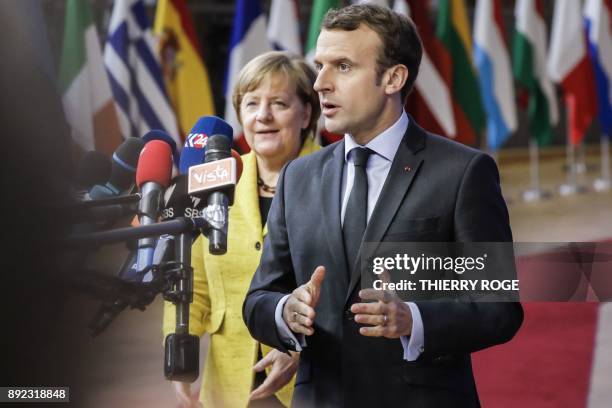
(329, 108)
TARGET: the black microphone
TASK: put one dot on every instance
(152, 177)
(123, 168)
(215, 181)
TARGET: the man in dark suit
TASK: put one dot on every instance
(388, 180)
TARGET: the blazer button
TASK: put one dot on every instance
(348, 314)
(258, 245)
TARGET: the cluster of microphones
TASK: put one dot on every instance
(172, 212)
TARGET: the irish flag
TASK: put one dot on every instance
(569, 65)
(87, 98)
(453, 30)
(529, 66)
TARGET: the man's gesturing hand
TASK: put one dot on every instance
(389, 316)
(299, 311)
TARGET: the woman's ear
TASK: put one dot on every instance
(395, 78)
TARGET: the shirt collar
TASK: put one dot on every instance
(386, 143)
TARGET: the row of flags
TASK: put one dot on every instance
(499, 61)
(155, 77)
(146, 77)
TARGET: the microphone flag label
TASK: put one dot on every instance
(212, 176)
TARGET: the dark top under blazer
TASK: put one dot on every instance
(436, 190)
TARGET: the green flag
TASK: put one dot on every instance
(529, 58)
(319, 8)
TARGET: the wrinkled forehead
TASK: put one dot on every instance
(360, 44)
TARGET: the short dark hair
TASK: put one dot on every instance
(400, 40)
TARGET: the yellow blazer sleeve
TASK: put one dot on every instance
(199, 310)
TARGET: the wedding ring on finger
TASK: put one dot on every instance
(385, 320)
(295, 315)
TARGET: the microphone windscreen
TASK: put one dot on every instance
(155, 164)
(124, 163)
(156, 134)
(94, 168)
(195, 144)
(205, 127)
(190, 156)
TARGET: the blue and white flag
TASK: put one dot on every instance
(135, 73)
(597, 14)
(495, 72)
(248, 40)
(284, 26)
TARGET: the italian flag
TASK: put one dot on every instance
(569, 65)
(453, 30)
(83, 81)
(529, 68)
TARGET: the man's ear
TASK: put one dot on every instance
(395, 78)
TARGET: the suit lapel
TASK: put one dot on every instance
(330, 195)
(308, 147)
(403, 171)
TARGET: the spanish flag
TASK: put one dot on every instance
(184, 71)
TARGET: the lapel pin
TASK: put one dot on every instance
(407, 168)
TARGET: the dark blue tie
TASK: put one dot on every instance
(356, 213)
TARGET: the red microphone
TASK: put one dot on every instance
(154, 164)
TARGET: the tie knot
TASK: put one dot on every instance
(361, 155)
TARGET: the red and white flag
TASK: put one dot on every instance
(570, 66)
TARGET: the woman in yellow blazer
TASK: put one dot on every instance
(278, 109)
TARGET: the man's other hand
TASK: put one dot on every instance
(388, 317)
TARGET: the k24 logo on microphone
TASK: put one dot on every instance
(212, 176)
(197, 140)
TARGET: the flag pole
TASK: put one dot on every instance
(603, 183)
(571, 186)
(494, 153)
(534, 193)
(581, 166)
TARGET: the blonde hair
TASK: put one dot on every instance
(296, 70)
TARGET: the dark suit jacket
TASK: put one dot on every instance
(436, 190)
